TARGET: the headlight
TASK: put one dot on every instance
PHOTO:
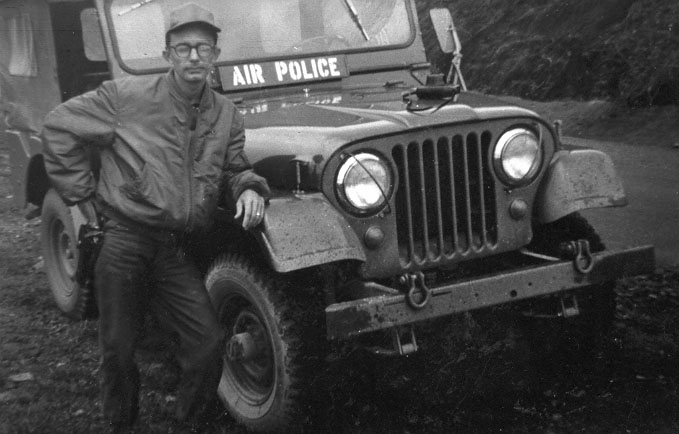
(364, 182)
(517, 156)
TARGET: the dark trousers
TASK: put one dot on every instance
(136, 272)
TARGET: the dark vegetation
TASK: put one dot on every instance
(620, 50)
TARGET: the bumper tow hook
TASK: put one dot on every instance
(418, 294)
(579, 250)
(584, 262)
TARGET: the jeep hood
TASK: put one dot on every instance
(311, 128)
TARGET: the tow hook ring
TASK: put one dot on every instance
(416, 286)
(584, 262)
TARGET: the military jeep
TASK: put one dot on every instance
(398, 195)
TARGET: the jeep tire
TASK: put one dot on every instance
(264, 385)
(565, 343)
(60, 254)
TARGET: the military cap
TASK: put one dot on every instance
(191, 13)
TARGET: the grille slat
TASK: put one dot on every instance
(467, 197)
(409, 209)
(453, 201)
(445, 201)
(423, 201)
(441, 247)
(482, 202)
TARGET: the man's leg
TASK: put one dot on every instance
(119, 274)
(182, 304)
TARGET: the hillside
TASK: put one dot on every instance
(618, 50)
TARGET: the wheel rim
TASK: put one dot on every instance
(63, 251)
(252, 374)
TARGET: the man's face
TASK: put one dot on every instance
(194, 68)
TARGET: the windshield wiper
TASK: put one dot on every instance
(134, 6)
(356, 18)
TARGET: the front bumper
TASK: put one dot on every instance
(355, 317)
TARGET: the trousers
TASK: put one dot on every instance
(138, 272)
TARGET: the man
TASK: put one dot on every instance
(166, 144)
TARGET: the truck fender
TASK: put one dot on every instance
(305, 230)
(29, 182)
(577, 180)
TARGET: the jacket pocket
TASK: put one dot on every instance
(207, 179)
(153, 190)
(135, 188)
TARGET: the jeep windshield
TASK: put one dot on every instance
(257, 30)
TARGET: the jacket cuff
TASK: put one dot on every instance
(258, 187)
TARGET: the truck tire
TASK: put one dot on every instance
(265, 388)
(559, 343)
(60, 253)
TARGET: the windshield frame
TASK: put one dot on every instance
(125, 66)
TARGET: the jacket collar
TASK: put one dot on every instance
(206, 99)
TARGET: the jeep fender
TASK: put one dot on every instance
(305, 230)
(577, 180)
(29, 180)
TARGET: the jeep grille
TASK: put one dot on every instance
(445, 201)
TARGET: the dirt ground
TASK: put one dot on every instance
(49, 364)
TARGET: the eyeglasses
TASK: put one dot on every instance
(184, 50)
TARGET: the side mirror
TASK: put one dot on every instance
(449, 43)
(444, 28)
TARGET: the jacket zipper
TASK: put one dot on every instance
(188, 159)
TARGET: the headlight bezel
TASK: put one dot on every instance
(357, 161)
(500, 150)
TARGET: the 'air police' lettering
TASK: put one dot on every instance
(283, 72)
(247, 74)
(307, 69)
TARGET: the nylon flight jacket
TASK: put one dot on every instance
(154, 170)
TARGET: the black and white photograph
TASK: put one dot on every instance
(339, 216)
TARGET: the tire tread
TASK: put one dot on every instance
(290, 320)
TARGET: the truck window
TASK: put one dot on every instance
(92, 38)
(18, 54)
(81, 64)
(261, 29)
(140, 33)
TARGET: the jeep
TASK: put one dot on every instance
(399, 196)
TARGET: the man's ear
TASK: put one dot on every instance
(166, 55)
(217, 52)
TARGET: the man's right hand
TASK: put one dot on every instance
(89, 212)
(250, 205)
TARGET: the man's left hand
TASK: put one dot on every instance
(88, 210)
(250, 206)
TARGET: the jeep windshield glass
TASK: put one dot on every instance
(260, 29)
